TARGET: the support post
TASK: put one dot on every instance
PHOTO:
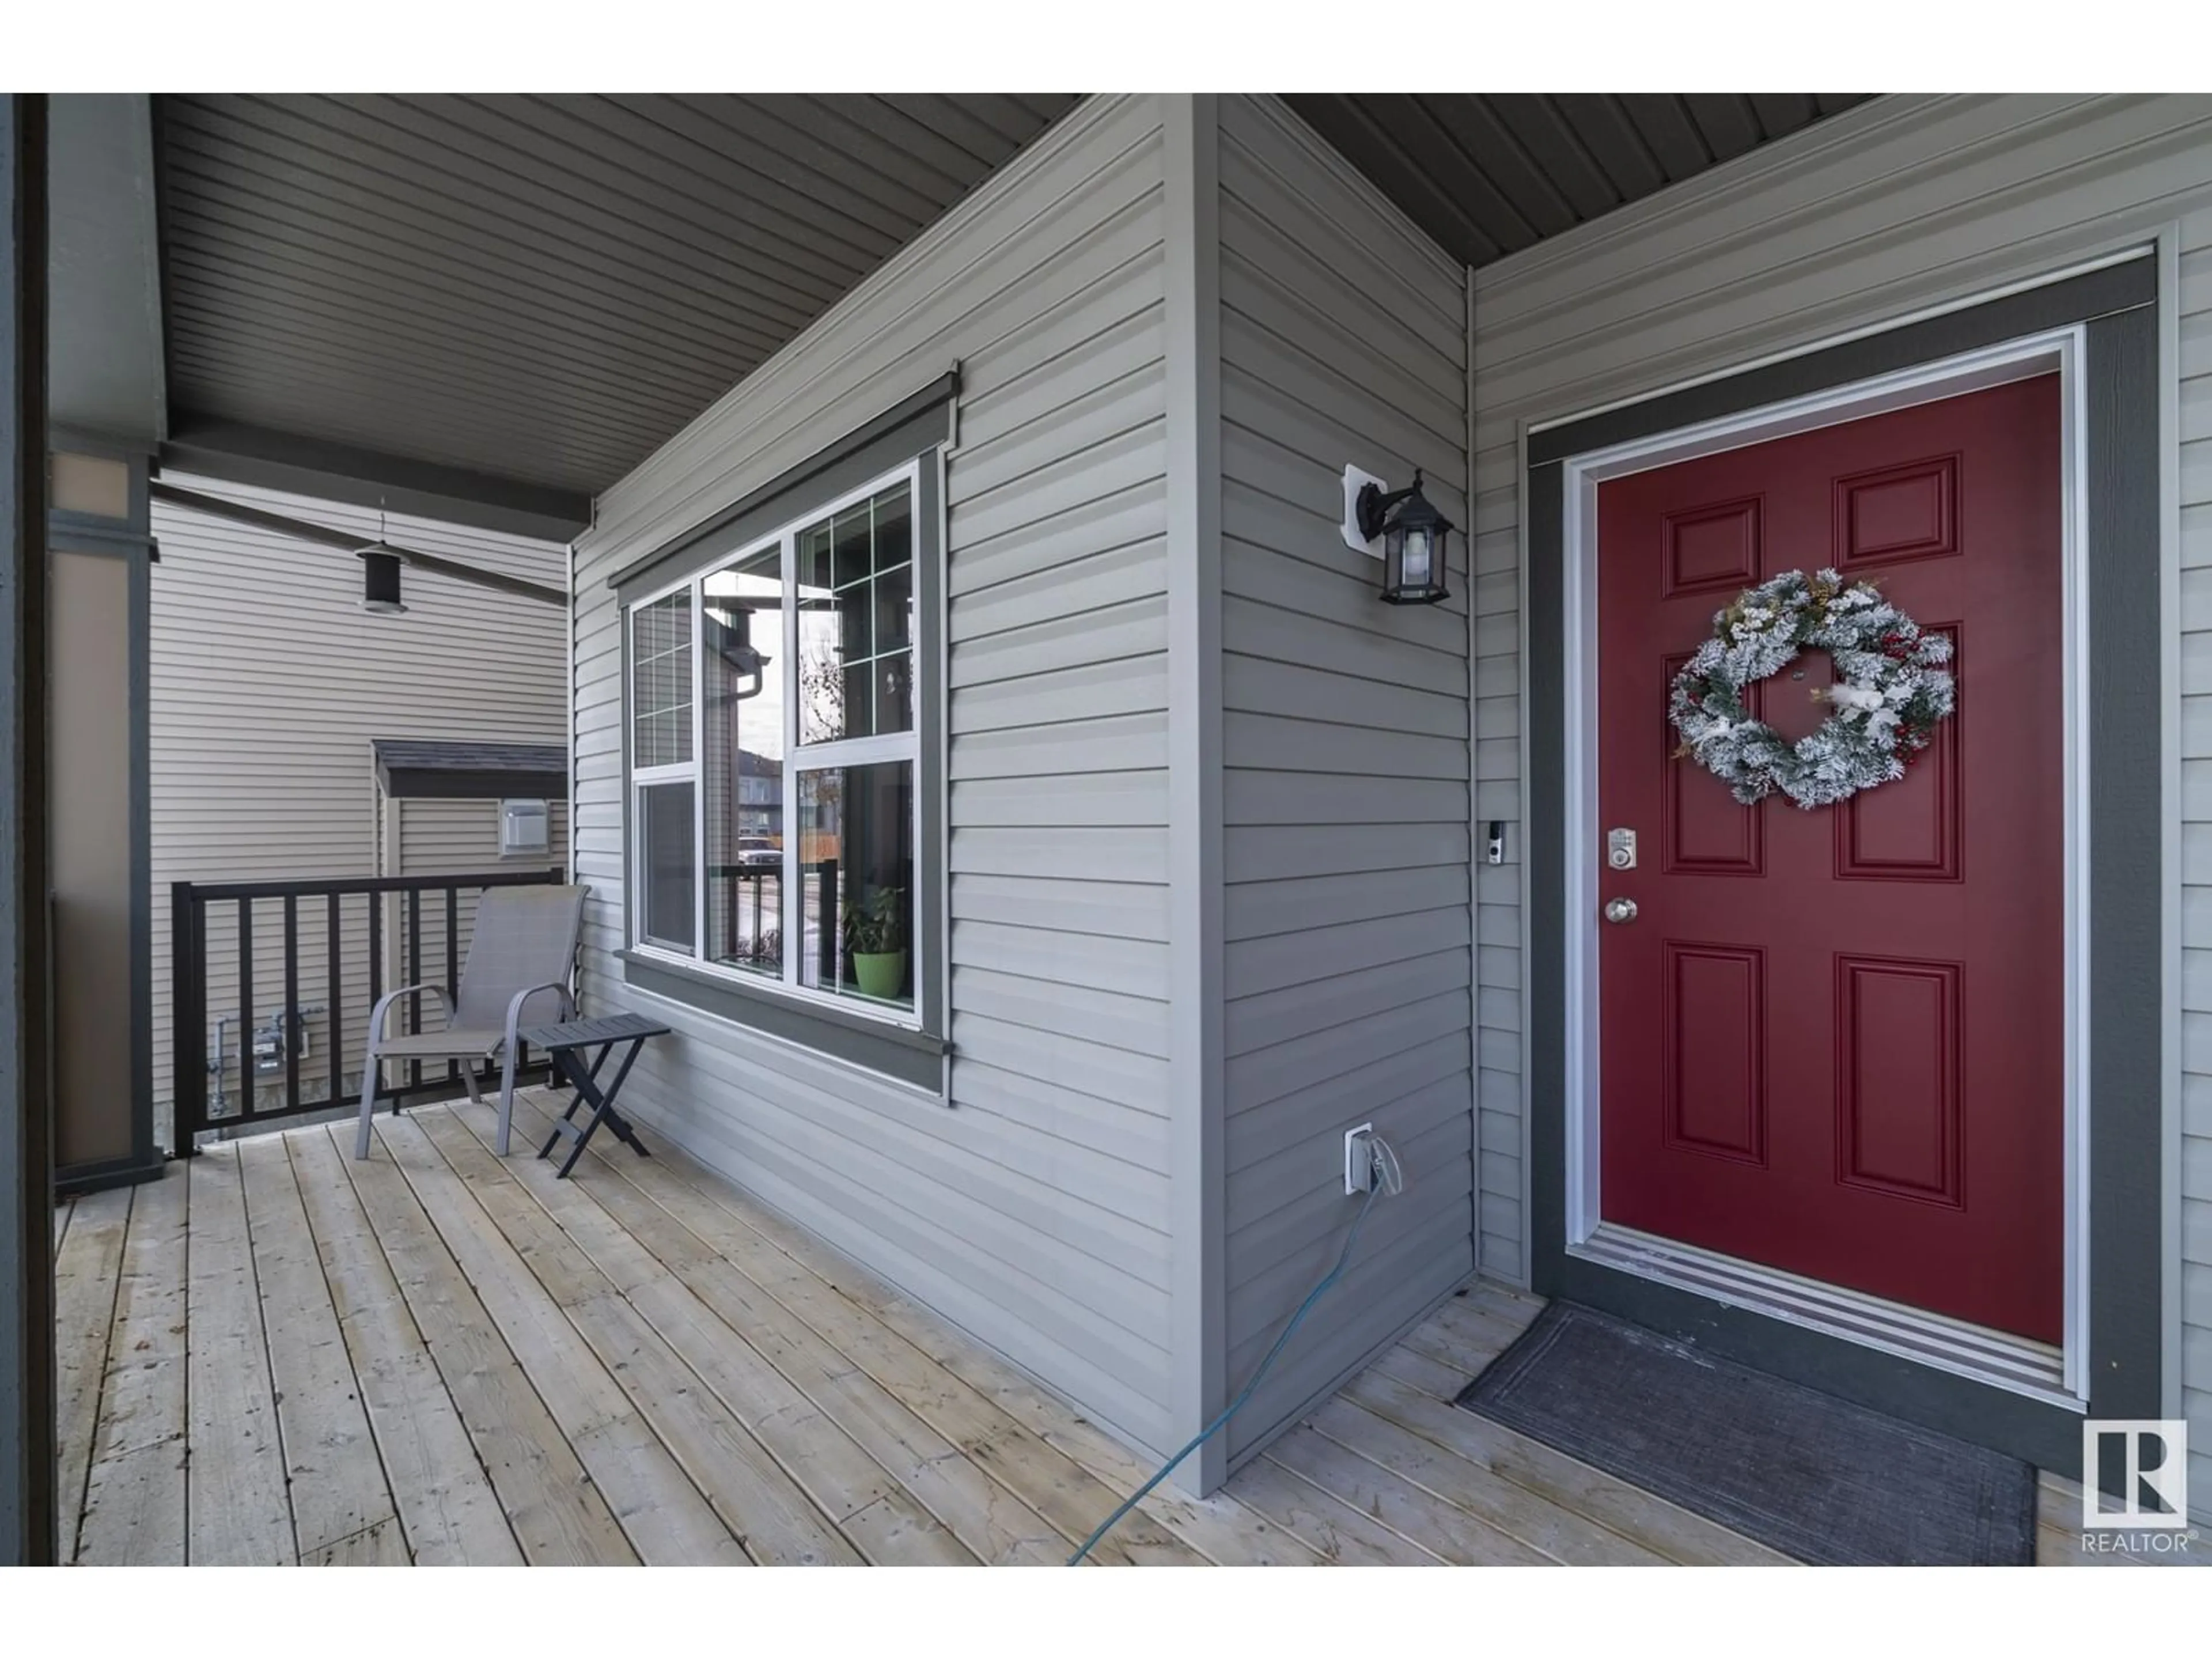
(27, 1526)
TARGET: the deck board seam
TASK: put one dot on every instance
(680, 1166)
(384, 1130)
(600, 1156)
(407, 1311)
(268, 1353)
(1338, 1501)
(490, 1325)
(84, 1494)
(835, 1523)
(360, 1389)
(1447, 1498)
(959, 1448)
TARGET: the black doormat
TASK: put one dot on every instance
(1802, 1472)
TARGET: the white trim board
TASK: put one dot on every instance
(2059, 349)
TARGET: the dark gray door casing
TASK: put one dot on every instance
(2120, 368)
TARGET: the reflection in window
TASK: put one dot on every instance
(742, 704)
(856, 862)
(856, 621)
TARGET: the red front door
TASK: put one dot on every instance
(1833, 1042)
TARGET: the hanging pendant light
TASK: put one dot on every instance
(379, 574)
(379, 568)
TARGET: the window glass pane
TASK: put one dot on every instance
(741, 625)
(660, 682)
(856, 864)
(855, 621)
(667, 856)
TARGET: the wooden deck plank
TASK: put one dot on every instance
(907, 1534)
(989, 1520)
(135, 1492)
(1409, 1389)
(664, 1514)
(513, 1345)
(654, 1263)
(1418, 1516)
(380, 1545)
(1044, 1479)
(758, 1501)
(1464, 1342)
(87, 1269)
(337, 1481)
(449, 1512)
(1550, 1528)
(238, 1511)
(1339, 1535)
(1479, 1328)
(558, 1515)
(1220, 1528)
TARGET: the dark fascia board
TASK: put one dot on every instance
(888, 432)
(236, 453)
(446, 783)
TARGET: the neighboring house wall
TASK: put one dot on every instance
(1906, 203)
(268, 683)
(1033, 1208)
(1346, 960)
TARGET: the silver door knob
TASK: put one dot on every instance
(1620, 910)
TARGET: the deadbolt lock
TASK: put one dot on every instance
(1621, 848)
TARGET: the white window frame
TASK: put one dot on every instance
(845, 752)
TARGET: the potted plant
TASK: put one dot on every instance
(875, 938)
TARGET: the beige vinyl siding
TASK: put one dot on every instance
(447, 838)
(267, 686)
(1345, 747)
(1904, 203)
(1033, 1208)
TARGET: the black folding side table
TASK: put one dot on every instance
(564, 1045)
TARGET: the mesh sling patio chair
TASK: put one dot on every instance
(520, 959)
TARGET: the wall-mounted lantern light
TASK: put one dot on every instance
(379, 570)
(1414, 535)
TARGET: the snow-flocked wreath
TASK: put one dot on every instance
(1891, 690)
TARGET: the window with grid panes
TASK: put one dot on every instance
(775, 754)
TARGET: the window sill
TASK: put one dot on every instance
(898, 1052)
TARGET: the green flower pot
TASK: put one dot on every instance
(879, 974)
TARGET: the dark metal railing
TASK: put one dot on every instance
(203, 1101)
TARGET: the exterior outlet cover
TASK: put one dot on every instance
(1354, 480)
(1358, 1159)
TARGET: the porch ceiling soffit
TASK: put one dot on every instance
(488, 309)
(1486, 175)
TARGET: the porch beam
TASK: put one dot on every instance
(26, 1322)
(307, 531)
(268, 459)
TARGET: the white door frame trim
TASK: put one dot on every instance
(2059, 349)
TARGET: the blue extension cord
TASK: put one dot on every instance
(1374, 1191)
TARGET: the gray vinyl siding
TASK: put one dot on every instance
(1345, 747)
(1033, 1208)
(267, 684)
(1904, 203)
